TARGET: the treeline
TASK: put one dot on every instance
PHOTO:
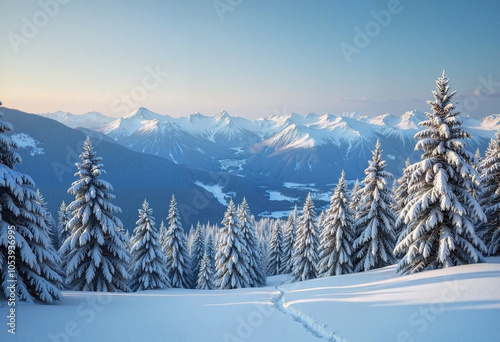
(443, 211)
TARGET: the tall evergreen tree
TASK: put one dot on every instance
(232, 260)
(289, 233)
(321, 221)
(210, 247)
(375, 220)
(489, 231)
(148, 262)
(401, 198)
(176, 250)
(355, 198)
(162, 232)
(64, 216)
(263, 256)
(477, 163)
(96, 252)
(246, 221)
(337, 237)
(49, 222)
(441, 211)
(37, 264)
(305, 256)
(197, 251)
(275, 254)
(206, 276)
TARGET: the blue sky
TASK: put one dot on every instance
(250, 58)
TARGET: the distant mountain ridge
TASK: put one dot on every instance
(288, 148)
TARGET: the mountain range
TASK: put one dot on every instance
(277, 149)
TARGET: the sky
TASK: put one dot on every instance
(250, 58)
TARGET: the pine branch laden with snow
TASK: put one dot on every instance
(232, 260)
(275, 254)
(355, 198)
(176, 250)
(489, 231)
(375, 220)
(441, 211)
(148, 261)
(197, 251)
(97, 256)
(337, 237)
(289, 233)
(256, 272)
(305, 256)
(206, 275)
(37, 265)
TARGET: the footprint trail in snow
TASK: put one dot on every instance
(307, 321)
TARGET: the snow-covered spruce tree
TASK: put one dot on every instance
(148, 262)
(246, 221)
(232, 260)
(479, 159)
(321, 220)
(275, 254)
(64, 216)
(197, 251)
(36, 263)
(206, 276)
(489, 231)
(401, 198)
(289, 232)
(305, 255)
(176, 250)
(210, 247)
(263, 256)
(375, 219)
(97, 255)
(49, 222)
(337, 237)
(441, 212)
(162, 232)
(355, 198)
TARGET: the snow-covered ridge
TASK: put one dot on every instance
(90, 120)
(279, 131)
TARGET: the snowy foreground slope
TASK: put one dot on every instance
(456, 304)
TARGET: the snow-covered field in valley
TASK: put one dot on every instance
(455, 304)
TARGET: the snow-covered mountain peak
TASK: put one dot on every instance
(144, 114)
(222, 116)
(385, 119)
